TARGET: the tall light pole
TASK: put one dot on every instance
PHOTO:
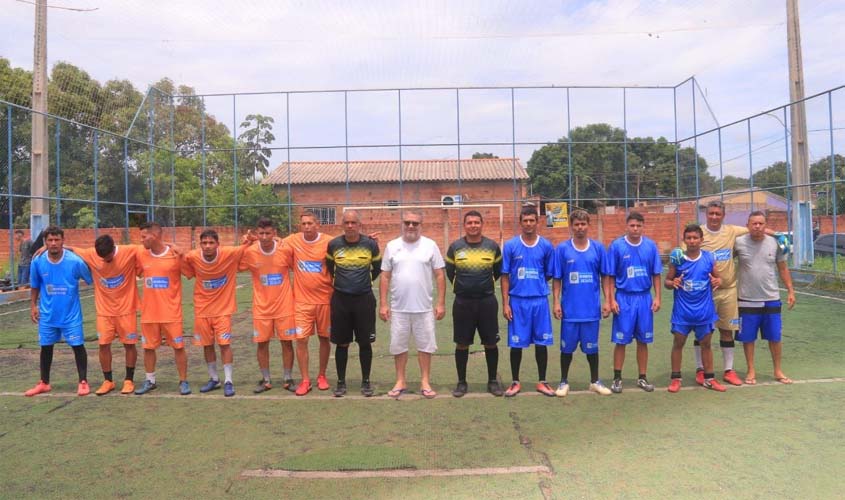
(39, 176)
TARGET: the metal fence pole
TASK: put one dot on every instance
(96, 184)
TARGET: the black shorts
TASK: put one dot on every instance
(353, 317)
(470, 314)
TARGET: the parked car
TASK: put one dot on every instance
(824, 244)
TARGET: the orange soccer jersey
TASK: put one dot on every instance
(272, 296)
(214, 289)
(115, 290)
(311, 281)
(162, 301)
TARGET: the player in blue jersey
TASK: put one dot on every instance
(577, 272)
(693, 276)
(527, 265)
(55, 307)
(633, 267)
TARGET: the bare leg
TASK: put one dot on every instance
(325, 352)
(226, 354)
(181, 357)
(642, 357)
(707, 354)
(400, 361)
(748, 347)
(262, 355)
(618, 356)
(302, 357)
(287, 354)
(678, 351)
(209, 353)
(150, 360)
(105, 357)
(131, 355)
(424, 359)
(777, 350)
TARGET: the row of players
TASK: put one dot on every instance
(333, 286)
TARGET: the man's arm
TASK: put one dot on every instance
(506, 298)
(557, 311)
(383, 287)
(440, 308)
(609, 287)
(655, 304)
(33, 304)
(787, 281)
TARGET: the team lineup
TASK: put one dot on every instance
(723, 278)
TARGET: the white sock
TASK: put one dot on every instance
(265, 372)
(728, 354)
(698, 363)
(288, 374)
(227, 372)
(212, 371)
(151, 376)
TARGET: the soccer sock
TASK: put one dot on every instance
(676, 374)
(46, 362)
(593, 360)
(708, 376)
(492, 358)
(81, 358)
(699, 365)
(643, 377)
(516, 360)
(728, 353)
(130, 372)
(212, 371)
(227, 372)
(288, 373)
(461, 359)
(151, 376)
(265, 372)
(365, 352)
(107, 375)
(341, 356)
(541, 355)
(617, 374)
(565, 362)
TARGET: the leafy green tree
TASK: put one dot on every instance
(481, 156)
(256, 138)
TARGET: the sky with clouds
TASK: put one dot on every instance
(736, 50)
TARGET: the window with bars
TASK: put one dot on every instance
(325, 215)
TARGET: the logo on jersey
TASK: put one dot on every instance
(112, 282)
(157, 282)
(461, 254)
(274, 279)
(620, 335)
(215, 283)
(722, 255)
(637, 272)
(696, 285)
(527, 273)
(515, 339)
(56, 290)
(575, 277)
(310, 266)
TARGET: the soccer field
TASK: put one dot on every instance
(768, 440)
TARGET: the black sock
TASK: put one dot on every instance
(617, 374)
(708, 376)
(107, 376)
(516, 360)
(565, 362)
(46, 362)
(642, 376)
(696, 343)
(727, 343)
(80, 355)
(341, 356)
(675, 375)
(492, 358)
(461, 359)
(593, 360)
(365, 352)
(541, 355)
(130, 372)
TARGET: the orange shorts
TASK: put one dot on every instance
(310, 315)
(151, 334)
(283, 328)
(123, 327)
(218, 329)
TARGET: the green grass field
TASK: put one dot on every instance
(765, 441)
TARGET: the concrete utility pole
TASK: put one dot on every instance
(802, 215)
(39, 205)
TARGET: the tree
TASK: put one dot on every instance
(482, 156)
(256, 138)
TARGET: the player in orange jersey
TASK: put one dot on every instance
(312, 290)
(215, 268)
(269, 262)
(161, 306)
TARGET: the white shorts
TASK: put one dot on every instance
(420, 325)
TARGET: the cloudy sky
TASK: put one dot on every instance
(736, 50)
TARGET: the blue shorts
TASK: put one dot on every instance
(635, 319)
(701, 331)
(49, 335)
(531, 322)
(585, 332)
(759, 316)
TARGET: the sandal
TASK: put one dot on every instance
(428, 393)
(395, 393)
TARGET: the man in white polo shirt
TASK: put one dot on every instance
(407, 268)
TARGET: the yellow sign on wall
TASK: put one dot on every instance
(557, 214)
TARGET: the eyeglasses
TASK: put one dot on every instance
(411, 223)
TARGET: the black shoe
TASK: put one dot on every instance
(367, 389)
(340, 389)
(289, 385)
(495, 388)
(460, 389)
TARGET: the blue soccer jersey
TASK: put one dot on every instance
(58, 285)
(528, 267)
(580, 274)
(633, 266)
(694, 300)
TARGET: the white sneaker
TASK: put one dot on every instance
(562, 390)
(599, 388)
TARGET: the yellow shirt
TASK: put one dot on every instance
(721, 244)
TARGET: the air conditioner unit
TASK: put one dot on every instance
(449, 200)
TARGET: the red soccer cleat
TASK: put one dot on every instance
(675, 385)
(322, 383)
(699, 376)
(83, 389)
(39, 388)
(714, 385)
(732, 378)
(304, 388)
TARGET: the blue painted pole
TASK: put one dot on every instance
(10, 187)
(832, 196)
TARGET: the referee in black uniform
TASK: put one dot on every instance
(354, 262)
(473, 264)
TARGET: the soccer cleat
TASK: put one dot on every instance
(304, 388)
(460, 390)
(699, 376)
(322, 383)
(228, 389)
(545, 389)
(128, 387)
(262, 386)
(184, 388)
(289, 385)
(367, 389)
(513, 390)
(714, 385)
(106, 388)
(675, 385)
(616, 386)
(495, 388)
(644, 385)
(731, 377)
(147, 387)
(562, 390)
(83, 389)
(340, 389)
(599, 388)
(39, 388)
(209, 386)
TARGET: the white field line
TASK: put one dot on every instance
(395, 473)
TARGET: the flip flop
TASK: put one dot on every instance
(395, 393)
(428, 393)
(784, 380)
(750, 380)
